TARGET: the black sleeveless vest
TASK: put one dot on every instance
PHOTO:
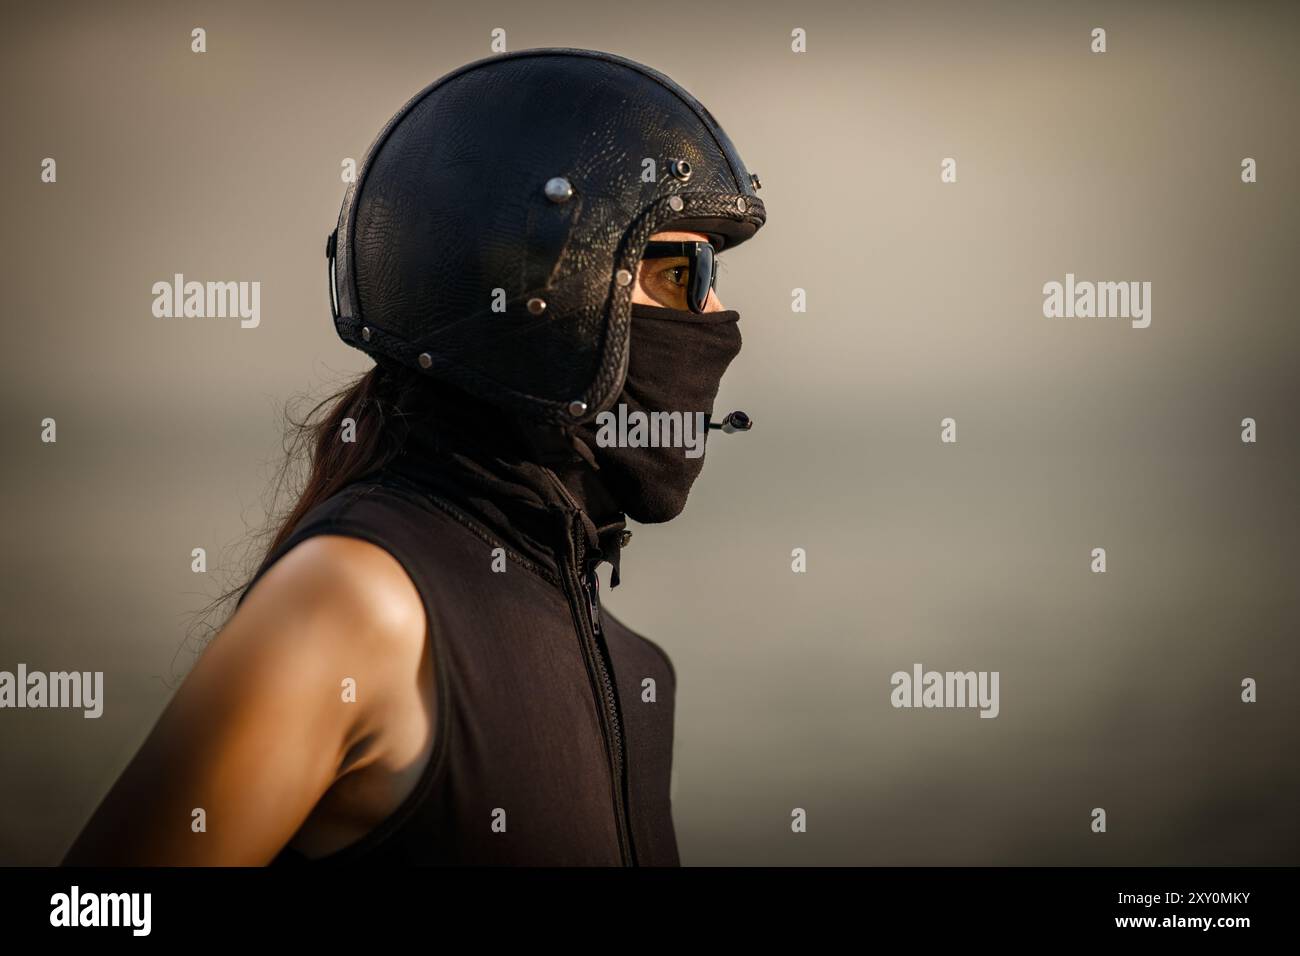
(554, 733)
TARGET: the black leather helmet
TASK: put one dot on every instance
(492, 236)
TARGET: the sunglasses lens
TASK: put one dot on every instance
(679, 274)
(703, 276)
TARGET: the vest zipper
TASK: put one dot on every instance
(583, 586)
(588, 586)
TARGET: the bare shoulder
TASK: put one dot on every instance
(346, 587)
(356, 620)
(334, 608)
(261, 730)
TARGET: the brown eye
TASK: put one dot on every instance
(665, 281)
(671, 274)
(676, 275)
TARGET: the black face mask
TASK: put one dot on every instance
(676, 359)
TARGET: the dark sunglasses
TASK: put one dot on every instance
(702, 266)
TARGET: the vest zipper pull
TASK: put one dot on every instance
(591, 584)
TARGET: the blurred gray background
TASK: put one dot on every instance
(1118, 690)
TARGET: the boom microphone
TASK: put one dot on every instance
(736, 421)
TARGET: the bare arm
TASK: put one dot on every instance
(259, 729)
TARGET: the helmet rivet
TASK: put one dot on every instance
(577, 408)
(741, 204)
(365, 332)
(753, 178)
(426, 360)
(558, 189)
(680, 169)
(675, 203)
(537, 306)
(623, 277)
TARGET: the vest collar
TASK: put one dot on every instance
(532, 489)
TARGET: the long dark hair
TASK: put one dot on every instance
(316, 464)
